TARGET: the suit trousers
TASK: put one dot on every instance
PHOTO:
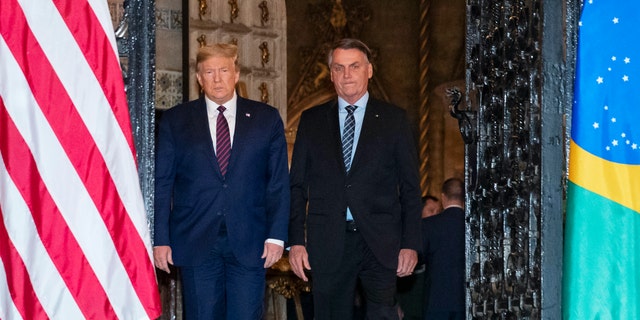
(334, 292)
(222, 288)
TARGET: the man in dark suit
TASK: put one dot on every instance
(355, 195)
(443, 237)
(222, 193)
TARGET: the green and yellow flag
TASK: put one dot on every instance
(602, 233)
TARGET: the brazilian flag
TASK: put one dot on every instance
(601, 277)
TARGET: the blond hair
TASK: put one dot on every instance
(223, 50)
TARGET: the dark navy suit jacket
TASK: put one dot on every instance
(192, 198)
(444, 247)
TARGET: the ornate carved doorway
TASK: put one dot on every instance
(519, 70)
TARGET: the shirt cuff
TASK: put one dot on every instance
(275, 241)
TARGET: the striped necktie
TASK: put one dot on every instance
(223, 141)
(347, 136)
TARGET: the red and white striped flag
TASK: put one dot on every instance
(74, 239)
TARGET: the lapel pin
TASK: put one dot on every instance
(248, 115)
(377, 116)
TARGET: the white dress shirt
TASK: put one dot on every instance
(358, 115)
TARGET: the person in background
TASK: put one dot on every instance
(411, 288)
(355, 194)
(444, 255)
(222, 193)
(431, 206)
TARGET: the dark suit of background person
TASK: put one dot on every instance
(215, 227)
(444, 247)
(381, 191)
(411, 289)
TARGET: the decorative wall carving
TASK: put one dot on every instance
(264, 7)
(258, 28)
(116, 9)
(168, 19)
(168, 84)
(264, 50)
(331, 20)
(202, 8)
(264, 97)
(168, 88)
(233, 10)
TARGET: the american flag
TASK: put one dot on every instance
(74, 239)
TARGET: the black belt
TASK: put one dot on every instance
(351, 226)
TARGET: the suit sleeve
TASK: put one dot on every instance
(298, 187)
(409, 188)
(164, 178)
(278, 197)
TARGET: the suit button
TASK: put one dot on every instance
(225, 185)
(219, 213)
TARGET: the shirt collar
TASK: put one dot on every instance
(361, 103)
(212, 107)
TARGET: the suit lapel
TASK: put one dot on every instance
(200, 121)
(333, 122)
(243, 125)
(367, 133)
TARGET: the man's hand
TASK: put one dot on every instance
(407, 260)
(299, 260)
(272, 253)
(162, 258)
